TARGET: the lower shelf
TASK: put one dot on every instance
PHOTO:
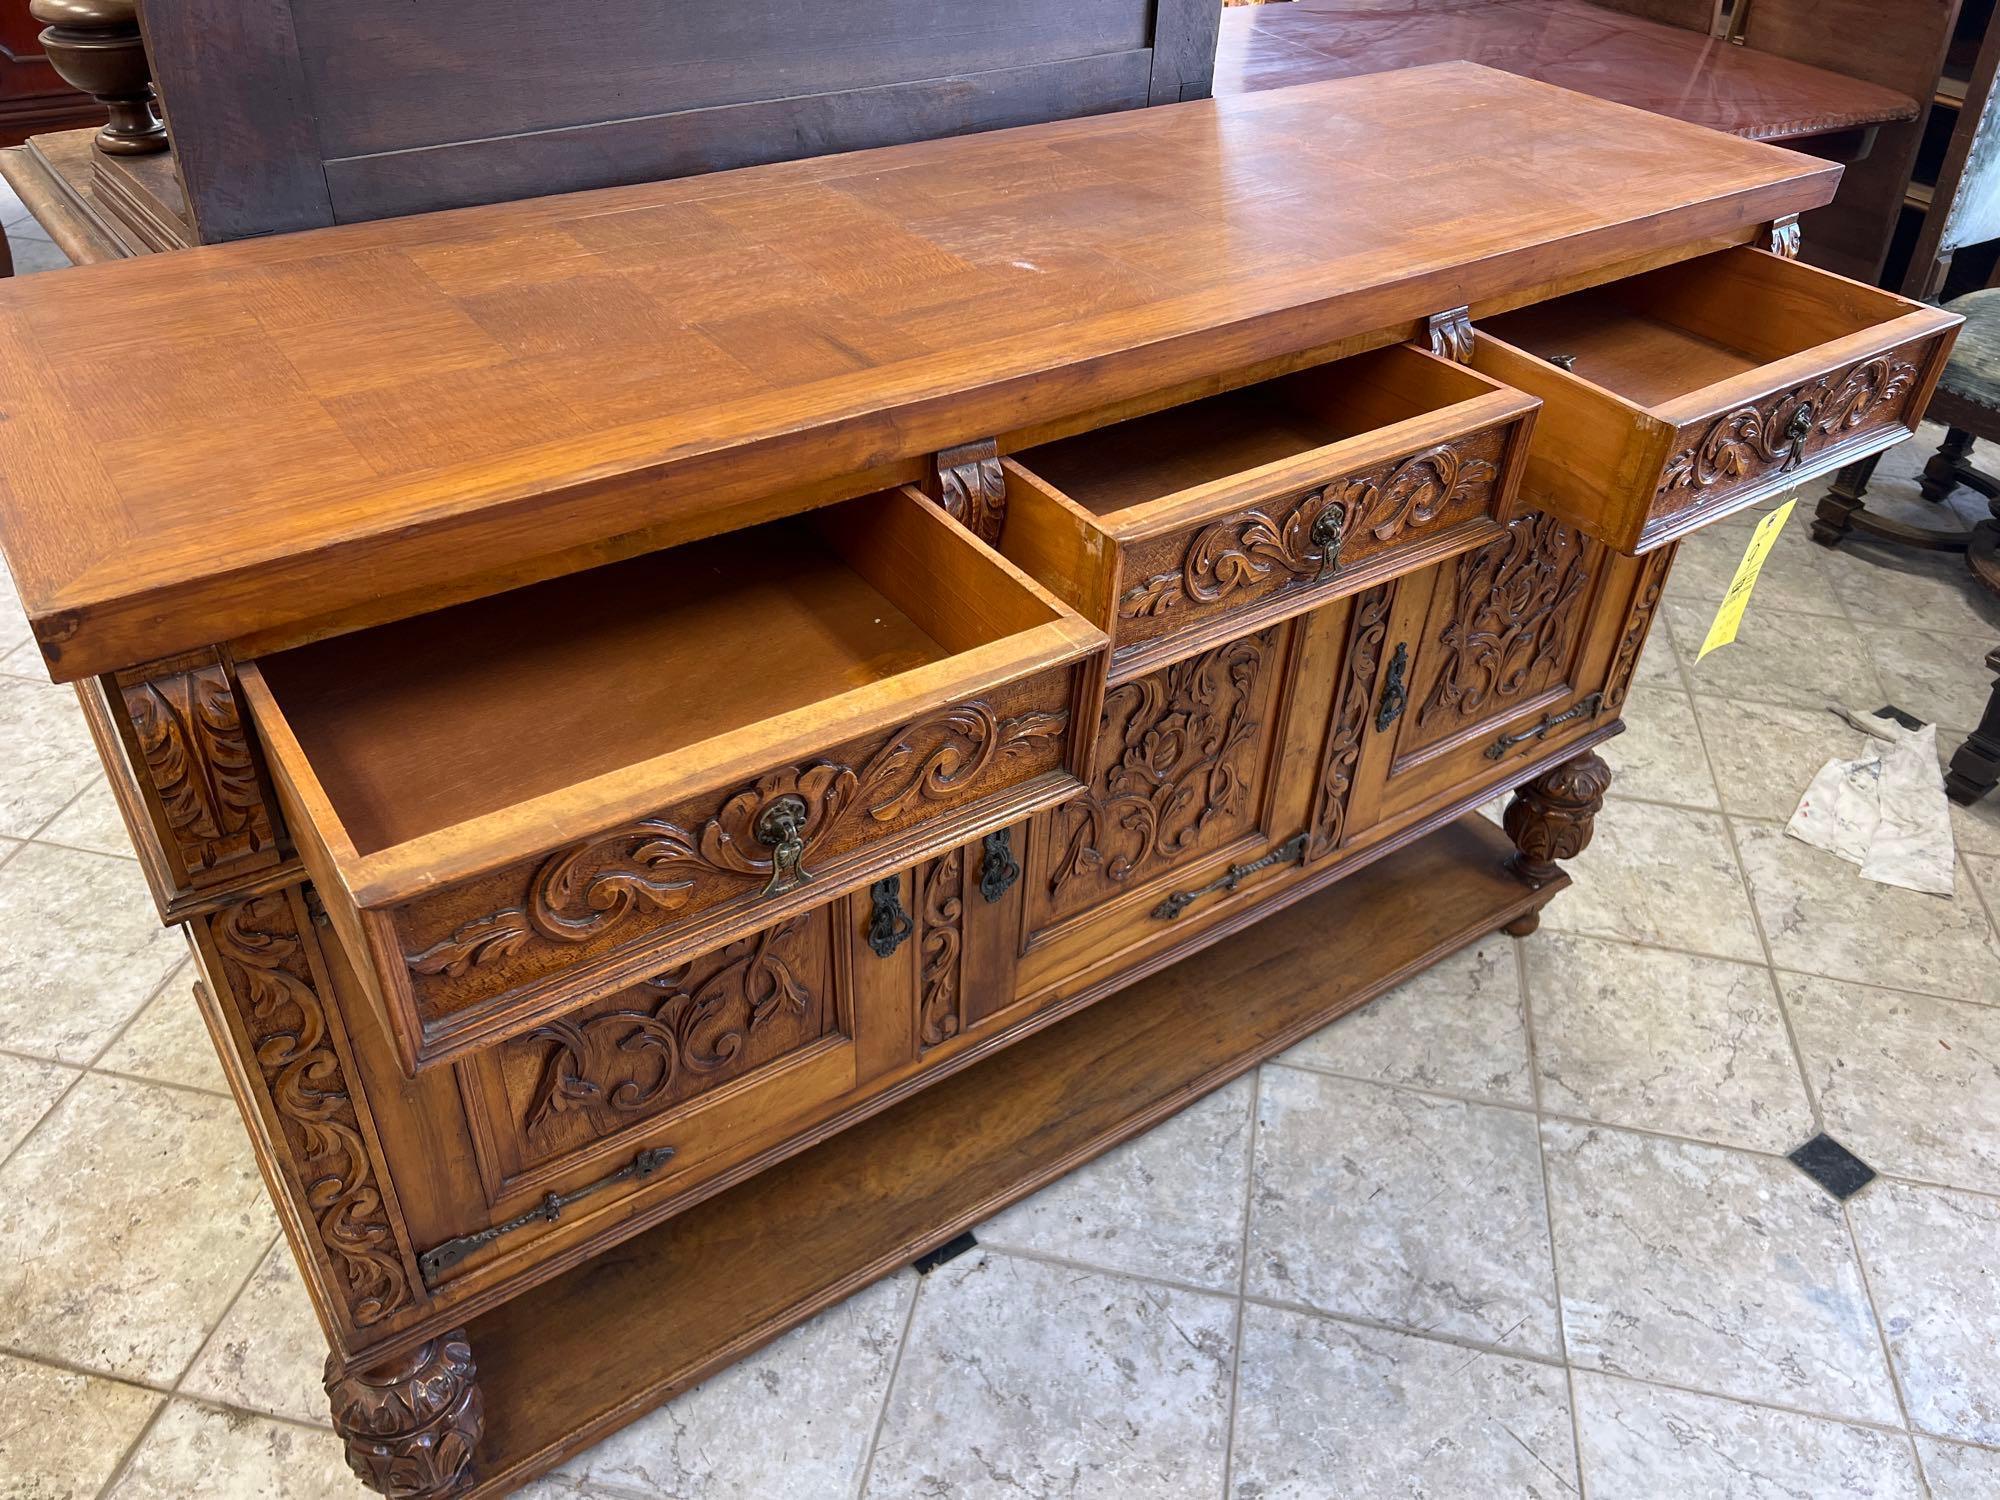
(582, 1355)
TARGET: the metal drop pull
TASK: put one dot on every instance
(1796, 432)
(781, 827)
(1394, 698)
(889, 925)
(1327, 530)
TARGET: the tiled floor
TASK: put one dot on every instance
(1523, 1228)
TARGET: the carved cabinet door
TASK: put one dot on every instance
(1485, 661)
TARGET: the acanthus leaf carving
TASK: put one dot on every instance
(942, 915)
(263, 956)
(1178, 764)
(580, 892)
(972, 488)
(197, 755)
(1515, 607)
(1343, 749)
(1302, 543)
(622, 1061)
(1775, 434)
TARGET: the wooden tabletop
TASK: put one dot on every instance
(1571, 43)
(200, 446)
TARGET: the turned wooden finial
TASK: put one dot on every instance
(95, 46)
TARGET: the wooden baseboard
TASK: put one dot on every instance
(573, 1360)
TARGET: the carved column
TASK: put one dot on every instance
(1551, 818)
(411, 1423)
(95, 46)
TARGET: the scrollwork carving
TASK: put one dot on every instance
(582, 891)
(1516, 606)
(1774, 435)
(972, 488)
(1255, 547)
(263, 957)
(1651, 584)
(943, 917)
(1343, 746)
(196, 754)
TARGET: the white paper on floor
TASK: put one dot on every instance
(1884, 811)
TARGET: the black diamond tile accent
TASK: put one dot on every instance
(953, 1249)
(1833, 1166)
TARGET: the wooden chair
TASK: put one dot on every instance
(1966, 211)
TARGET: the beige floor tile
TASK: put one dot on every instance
(1401, 1208)
(1936, 1278)
(1778, 657)
(1169, 1204)
(227, 1455)
(1937, 675)
(1641, 1442)
(168, 1041)
(1657, 663)
(1329, 1409)
(1904, 586)
(32, 255)
(81, 950)
(1766, 754)
(46, 756)
(62, 1434)
(13, 622)
(1957, 1472)
(268, 1352)
(1792, 577)
(1709, 1268)
(1909, 1083)
(1823, 918)
(1664, 1041)
(128, 1221)
(1045, 1380)
(1458, 1027)
(1658, 875)
(791, 1422)
(1985, 872)
(92, 822)
(1659, 756)
(28, 1087)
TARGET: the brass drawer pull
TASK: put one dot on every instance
(1328, 528)
(434, 1262)
(1394, 698)
(781, 827)
(998, 869)
(1290, 852)
(888, 924)
(1585, 708)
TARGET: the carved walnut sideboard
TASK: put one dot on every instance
(708, 735)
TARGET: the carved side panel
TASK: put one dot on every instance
(1506, 627)
(533, 920)
(635, 1054)
(1305, 539)
(1778, 434)
(1645, 604)
(941, 951)
(295, 1048)
(1183, 755)
(1360, 667)
(197, 768)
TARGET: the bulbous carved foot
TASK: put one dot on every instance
(1524, 924)
(1551, 817)
(411, 1423)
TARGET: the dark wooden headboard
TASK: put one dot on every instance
(290, 114)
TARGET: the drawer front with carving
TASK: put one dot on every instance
(561, 885)
(1211, 518)
(1692, 391)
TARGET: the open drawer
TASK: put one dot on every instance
(520, 803)
(1675, 397)
(1189, 526)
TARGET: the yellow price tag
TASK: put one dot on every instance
(1723, 630)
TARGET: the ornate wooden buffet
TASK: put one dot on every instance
(708, 735)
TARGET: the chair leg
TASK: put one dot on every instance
(1975, 767)
(1834, 516)
(1945, 470)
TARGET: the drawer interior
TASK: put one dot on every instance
(1129, 464)
(1664, 334)
(415, 726)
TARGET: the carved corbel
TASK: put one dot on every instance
(968, 483)
(197, 770)
(1449, 334)
(1782, 236)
